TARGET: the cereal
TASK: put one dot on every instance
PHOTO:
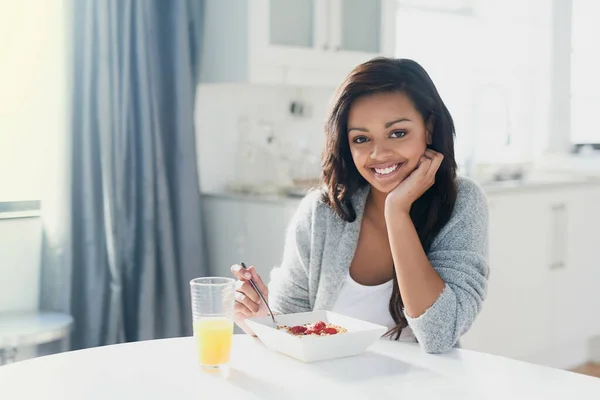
(319, 328)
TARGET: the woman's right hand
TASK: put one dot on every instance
(247, 302)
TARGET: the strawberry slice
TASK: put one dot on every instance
(319, 325)
(330, 331)
(296, 330)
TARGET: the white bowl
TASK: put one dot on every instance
(359, 336)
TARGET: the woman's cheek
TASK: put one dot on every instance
(358, 157)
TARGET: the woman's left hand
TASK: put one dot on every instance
(410, 189)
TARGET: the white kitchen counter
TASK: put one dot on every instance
(258, 198)
(538, 182)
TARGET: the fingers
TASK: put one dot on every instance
(435, 164)
(428, 165)
(436, 160)
(258, 280)
(239, 319)
(238, 314)
(242, 311)
(246, 301)
(432, 154)
(423, 166)
(239, 272)
(247, 289)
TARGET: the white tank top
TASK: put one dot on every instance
(369, 303)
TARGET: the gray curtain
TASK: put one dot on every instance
(135, 224)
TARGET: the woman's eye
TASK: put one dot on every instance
(360, 139)
(398, 134)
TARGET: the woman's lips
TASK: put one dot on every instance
(385, 171)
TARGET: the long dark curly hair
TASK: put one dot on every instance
(341, 177)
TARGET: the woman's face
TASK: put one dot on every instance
(387, 137)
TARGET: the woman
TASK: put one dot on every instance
(395, 238)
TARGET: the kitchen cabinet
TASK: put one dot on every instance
(247, 230)
(544, 260)
(577, 298)
(296, 42)
(266, 226)
(516, 315)
(224, 234)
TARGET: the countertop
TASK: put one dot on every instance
(540, 181)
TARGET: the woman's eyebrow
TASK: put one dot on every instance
(387, 125)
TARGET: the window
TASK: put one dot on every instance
(488, 60)
(32, 95)
(585, 78)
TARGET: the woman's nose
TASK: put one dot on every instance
(380, 150)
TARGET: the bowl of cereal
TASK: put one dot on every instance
(316, 335)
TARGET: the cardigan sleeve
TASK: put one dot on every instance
(288, 287)
(459, 255)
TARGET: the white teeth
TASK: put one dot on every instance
(387, 170)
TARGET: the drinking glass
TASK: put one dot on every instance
(212, 311)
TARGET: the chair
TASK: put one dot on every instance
(31, 328)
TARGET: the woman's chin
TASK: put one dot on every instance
(384, 188)
(384, 184)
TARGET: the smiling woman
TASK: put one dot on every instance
(394, 237)
(385, 153)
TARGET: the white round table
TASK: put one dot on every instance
(31, 328)
(167, 369)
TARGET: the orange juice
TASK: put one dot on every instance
(213, 337)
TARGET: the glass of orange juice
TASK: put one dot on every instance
(212, 310)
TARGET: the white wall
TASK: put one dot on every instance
(230, 117)
(493, 71)
(33, 147)
(33, 82)
(20, 248)
(33, 123)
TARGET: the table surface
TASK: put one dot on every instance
(167, 369)
(25, 328)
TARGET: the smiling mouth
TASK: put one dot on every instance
(389, 170)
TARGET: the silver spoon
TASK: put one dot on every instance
(261, 297)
